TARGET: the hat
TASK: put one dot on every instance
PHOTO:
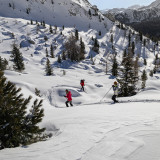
(115, 83)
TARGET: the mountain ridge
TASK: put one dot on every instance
(144, 16)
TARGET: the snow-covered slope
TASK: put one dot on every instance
(90, 130)
(71, 13)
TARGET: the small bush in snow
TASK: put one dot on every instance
(37, 92)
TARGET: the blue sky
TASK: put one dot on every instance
(108, 4)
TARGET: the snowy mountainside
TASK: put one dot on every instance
(137, 14)
(35, 53)
(145, 19)
(71, 13)
(35, 56)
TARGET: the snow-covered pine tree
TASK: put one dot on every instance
(106, 70)
(151, 73)
(156, 63)
(15, 129)
(34, 117)
(145, 62)
(126, 77)
(144, 79)
(129, 38)
(114, 66)
(111, 39)
(63, 56)
(96, 46)
(37, 92)
(17, 57)
(136, 65)
(59, 59)
(3, 64)
(51, 51)
(49, 70)
(73, 50)
(89, 12)
(76, 34)
(124, 56)
(82, 50)
(133, 47)
(47, 53)
(50, 29)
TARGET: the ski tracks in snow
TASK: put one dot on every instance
(123, 142)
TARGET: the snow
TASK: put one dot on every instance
(94, 128)
(137, 13)
(120, 131)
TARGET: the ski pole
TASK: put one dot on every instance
(105, 95)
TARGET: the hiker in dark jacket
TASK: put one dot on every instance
(115, 89)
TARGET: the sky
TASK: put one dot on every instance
(109, 4)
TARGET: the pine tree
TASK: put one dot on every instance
(3, 64)
(141, 36)
(129, 39)
(151, 73)
(44, 24)
(111, 40)
(16, 55)
(82, 50)
(49, 70)
(133, 47)
(59, 59)
(37, 92)
(63, 55)
(136, 66)
(55, 27)
(106, 70)
(96, 46)
(51, 51)
(144, 78)
(127, 77)
(76, 35)
(16, 128)
(47, 53)
(124, 56)
(144, 42)
(114, 67)
(145, 62)
(50, 29)
(156, 63)
(89, 12)
(73, 50)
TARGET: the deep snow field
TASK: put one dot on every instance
(89, 130)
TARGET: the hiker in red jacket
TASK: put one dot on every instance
(82, 85)
(69, 98)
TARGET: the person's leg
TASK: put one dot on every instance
(67, 103)
(83, 88)
(114, 98)
(71, 103)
